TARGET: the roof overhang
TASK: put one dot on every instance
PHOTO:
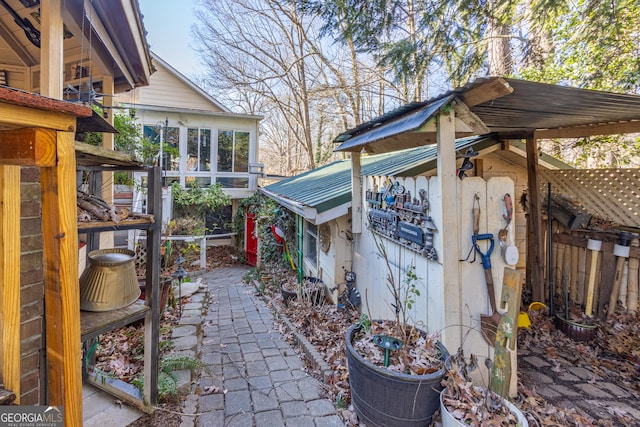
(513, 109)
(414, 129)
(108, 33)
(312, 214)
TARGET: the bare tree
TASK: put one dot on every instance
(266, 57)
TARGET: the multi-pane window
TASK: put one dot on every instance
(171, 136)
(198, 150)
(311, 243)
(233, 151)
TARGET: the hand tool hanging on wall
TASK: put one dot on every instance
(488, 323)
(594, 246)
(509, 249)
(621, 251)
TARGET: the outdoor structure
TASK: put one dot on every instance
(83, 52)
(215, 144)
(453, 291)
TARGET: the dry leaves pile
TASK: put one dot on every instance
(418, 355)
(469, 404)
(120, 353)
(612, 356)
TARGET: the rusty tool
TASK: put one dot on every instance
(488, 323)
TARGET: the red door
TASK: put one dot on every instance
(251, 240)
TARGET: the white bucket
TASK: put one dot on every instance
(448, 419)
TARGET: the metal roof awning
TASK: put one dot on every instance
(300, 193)
(511, 108)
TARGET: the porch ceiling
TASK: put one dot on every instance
(511, 108)
(114, 27)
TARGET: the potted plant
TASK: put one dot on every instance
(465, 404)
(395, 369)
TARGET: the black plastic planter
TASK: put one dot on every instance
(287, 295)
(385, 398)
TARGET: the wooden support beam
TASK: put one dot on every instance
(10, 282)
(613, 128)
(23, 116)
(496, 88)
(152, 293)
(448, 231)
(28, 147)
(61, 286)
(52, 49)
(535, 237)
(356, 194)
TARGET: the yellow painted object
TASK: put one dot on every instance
(536, 306)
(523, 320)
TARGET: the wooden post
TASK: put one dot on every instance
(582, 275)
(61, 286)
(108, 139)
(152, 296)
(535, 242)
(356, 194)
(632, 288)
(449, 233)
(573, 284)
(51, 49)
(10, 282)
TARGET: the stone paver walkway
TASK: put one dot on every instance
(263, 377)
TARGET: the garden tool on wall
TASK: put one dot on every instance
(466, 163)
(622, 252)
(488, 323)
(594, 246)
(505, 236)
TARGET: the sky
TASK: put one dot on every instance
(168, 24)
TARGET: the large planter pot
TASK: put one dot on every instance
(448, 420)
(382, 397)
(287, 295)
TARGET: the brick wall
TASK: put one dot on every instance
(32, 286)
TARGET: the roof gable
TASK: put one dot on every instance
(169, 88)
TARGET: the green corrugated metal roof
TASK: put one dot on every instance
(329, 186)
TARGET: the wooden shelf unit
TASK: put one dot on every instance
(92, 324)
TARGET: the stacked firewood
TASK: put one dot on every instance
(93, 208)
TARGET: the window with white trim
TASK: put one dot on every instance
(311, 243)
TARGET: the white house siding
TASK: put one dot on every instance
(337, 260)
(429, 308)
(167, 90)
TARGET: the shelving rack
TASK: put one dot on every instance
(91, 159)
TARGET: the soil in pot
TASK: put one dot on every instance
(396, 395)
(312, 290)
(289, 291)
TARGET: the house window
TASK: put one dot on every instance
(233, 151)
(171, 136)
(198, 150)
(311, 243)
(228, 182)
